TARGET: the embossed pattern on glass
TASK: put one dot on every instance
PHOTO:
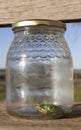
(39, 46)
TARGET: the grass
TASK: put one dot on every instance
(77, 91)
(2, 90)
(77, 82)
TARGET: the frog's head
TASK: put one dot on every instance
(41, 108)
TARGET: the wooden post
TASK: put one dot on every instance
(16, 10)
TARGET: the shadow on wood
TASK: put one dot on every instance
(76, 111)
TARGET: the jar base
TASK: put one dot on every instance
(31, 113)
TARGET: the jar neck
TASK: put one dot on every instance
(40, 30)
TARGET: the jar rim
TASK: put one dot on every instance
(38, 22)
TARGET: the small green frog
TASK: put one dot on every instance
(50, 110)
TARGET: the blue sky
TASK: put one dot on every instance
(72, 36)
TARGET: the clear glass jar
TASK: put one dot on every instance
(39, 70)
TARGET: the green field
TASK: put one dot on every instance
(2, 90)
(77, 85)
(77, 92)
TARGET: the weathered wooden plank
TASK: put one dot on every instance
(16, 10)
(70, 122)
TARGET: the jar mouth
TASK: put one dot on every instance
(38, 22)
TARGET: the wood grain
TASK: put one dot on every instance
(70, 122)
(16, 10)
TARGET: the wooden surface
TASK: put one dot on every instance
(15, 10)
(71, 122)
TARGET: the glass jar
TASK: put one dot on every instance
(39, 70)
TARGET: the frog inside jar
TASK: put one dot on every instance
(39, 71)
(50, 110)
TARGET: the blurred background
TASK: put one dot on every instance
(73, 38)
